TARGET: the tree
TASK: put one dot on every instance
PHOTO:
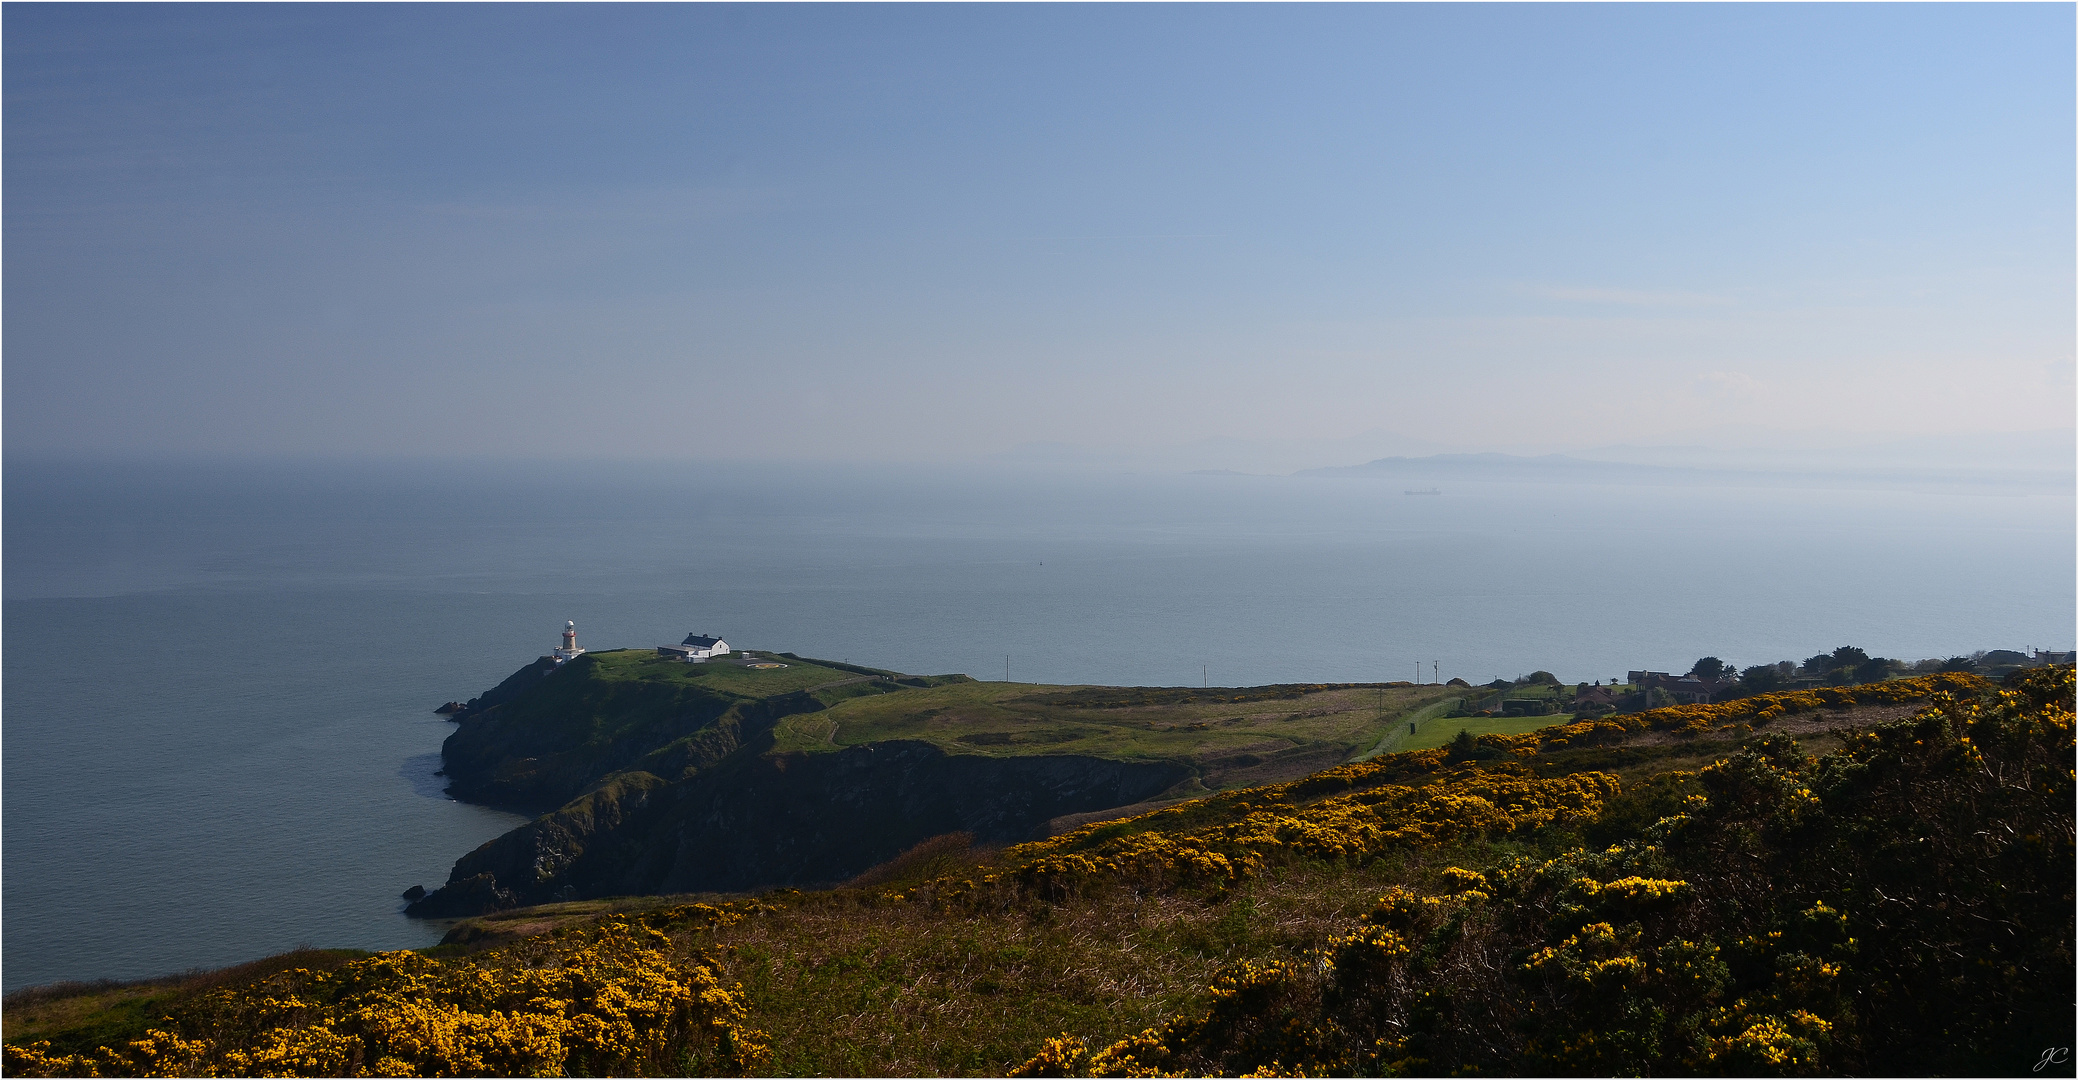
(1847, 656)
(1709, 669)
(1960, 663)
(1545, 678)
(1465, 747)
(1839, 665)
(1761, 679)
(1874, 669)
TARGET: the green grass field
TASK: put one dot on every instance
(1439, 732)
(644, 665)
(1237, 735)
(1395, 737)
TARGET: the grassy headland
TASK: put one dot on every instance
(560, 730)
(1683, 891)
(548, 733)
(1233, 735)
(663, 776)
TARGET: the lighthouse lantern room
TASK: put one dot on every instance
(569, 650)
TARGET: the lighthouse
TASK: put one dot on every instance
(569, 651)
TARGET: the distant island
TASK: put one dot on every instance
(2052, 474)
(764, 864)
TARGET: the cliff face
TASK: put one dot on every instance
(664, 779)
(549, 733)
(759, 820)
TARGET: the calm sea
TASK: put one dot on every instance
(218, 737)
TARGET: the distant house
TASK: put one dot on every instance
(2002, 661)
(1595, 696)
(1690, 690)
(696, 648)
(1686, 689)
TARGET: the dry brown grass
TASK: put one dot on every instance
(927, 859)
(847, 984)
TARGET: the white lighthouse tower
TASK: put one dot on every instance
(569, 651)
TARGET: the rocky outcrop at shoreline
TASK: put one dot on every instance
(762, 820)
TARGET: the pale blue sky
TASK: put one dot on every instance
(939, 232)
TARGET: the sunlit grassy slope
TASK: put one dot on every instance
(1241, 735)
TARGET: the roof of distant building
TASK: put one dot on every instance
(701, 641)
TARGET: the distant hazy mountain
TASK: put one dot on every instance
(1722, 453)
(1814, 469)
(1771, 450)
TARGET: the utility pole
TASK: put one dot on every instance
(1205, 676)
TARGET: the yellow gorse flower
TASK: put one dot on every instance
(614, 999)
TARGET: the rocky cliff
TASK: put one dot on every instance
(666, 778)
(760, 820)
(549, 733)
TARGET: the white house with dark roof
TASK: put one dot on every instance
(695, 648)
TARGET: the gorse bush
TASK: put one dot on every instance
(1759, 709)
(1422, 799)
(1281, 821)
(1903, 905)
(621, 998)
